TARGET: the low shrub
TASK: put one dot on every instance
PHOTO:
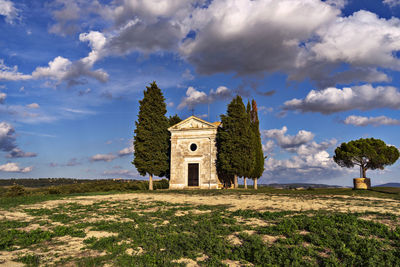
(17, 190)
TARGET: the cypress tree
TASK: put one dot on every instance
(151, 135)
(233, 144)
(251, 139)
(257, 145)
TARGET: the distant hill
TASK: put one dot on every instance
(45, 182)
(388, 185)
(304, 185)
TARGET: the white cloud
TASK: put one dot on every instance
(303, 168)
(265, 110)
(391, 3)
(8, 144)
(65, 17)
(103, 157)
(57, 69)
(8, 10)
(310, 161)
(71, 16)
(187, 75)
(150, 26)
(304, 39)
(26, 114)
(11, 74)
(84, 92)
(97, 41)
(126, 173)
(73, 162)
(268, 147)
(79, 111)
(18, 153)
(7, 137)
(195, 97)
(337, 3)
(63, 70)
(253, 36)
(14, 167)
(3, 97)
(332, 100)
(126, 151)
(375, 121)
(288, 141)
(362, 39)
(33, 105)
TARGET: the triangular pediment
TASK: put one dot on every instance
(193, 123)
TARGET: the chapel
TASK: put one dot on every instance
(193, 154)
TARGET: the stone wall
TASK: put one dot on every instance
(204, 155)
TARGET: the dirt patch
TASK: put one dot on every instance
(272, 238)
(390, 223)
(51, 251)
(6, 259)
(255, 222)
(304, 232)
(14, 215)
(188, 262)
(32, 227)
(249, 232)
(234, 240)
(203, 257)
(235, 202)
(99, 234)
(180, 213)
(137, 251)
(232, 263)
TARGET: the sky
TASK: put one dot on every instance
(72, 73)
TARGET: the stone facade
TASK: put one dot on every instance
(193, 154)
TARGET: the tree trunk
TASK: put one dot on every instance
(235, 181)
(364, 172)
(255, 183)
(150, 181)
(245, 183)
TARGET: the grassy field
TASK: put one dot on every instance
(268, 227)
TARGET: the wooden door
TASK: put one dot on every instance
(193, 174)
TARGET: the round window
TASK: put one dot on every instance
(193, 147)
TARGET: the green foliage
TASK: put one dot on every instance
(11, 237)
(257, 145)
(155, 235)
(67, 230)
(30, 260)
(172, 120)
(16, 190)
(234, 146)
(41, 182)
(367, 153)
(252, 140)
(99, 186)
(151, 134)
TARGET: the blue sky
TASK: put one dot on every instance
(72, 73)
